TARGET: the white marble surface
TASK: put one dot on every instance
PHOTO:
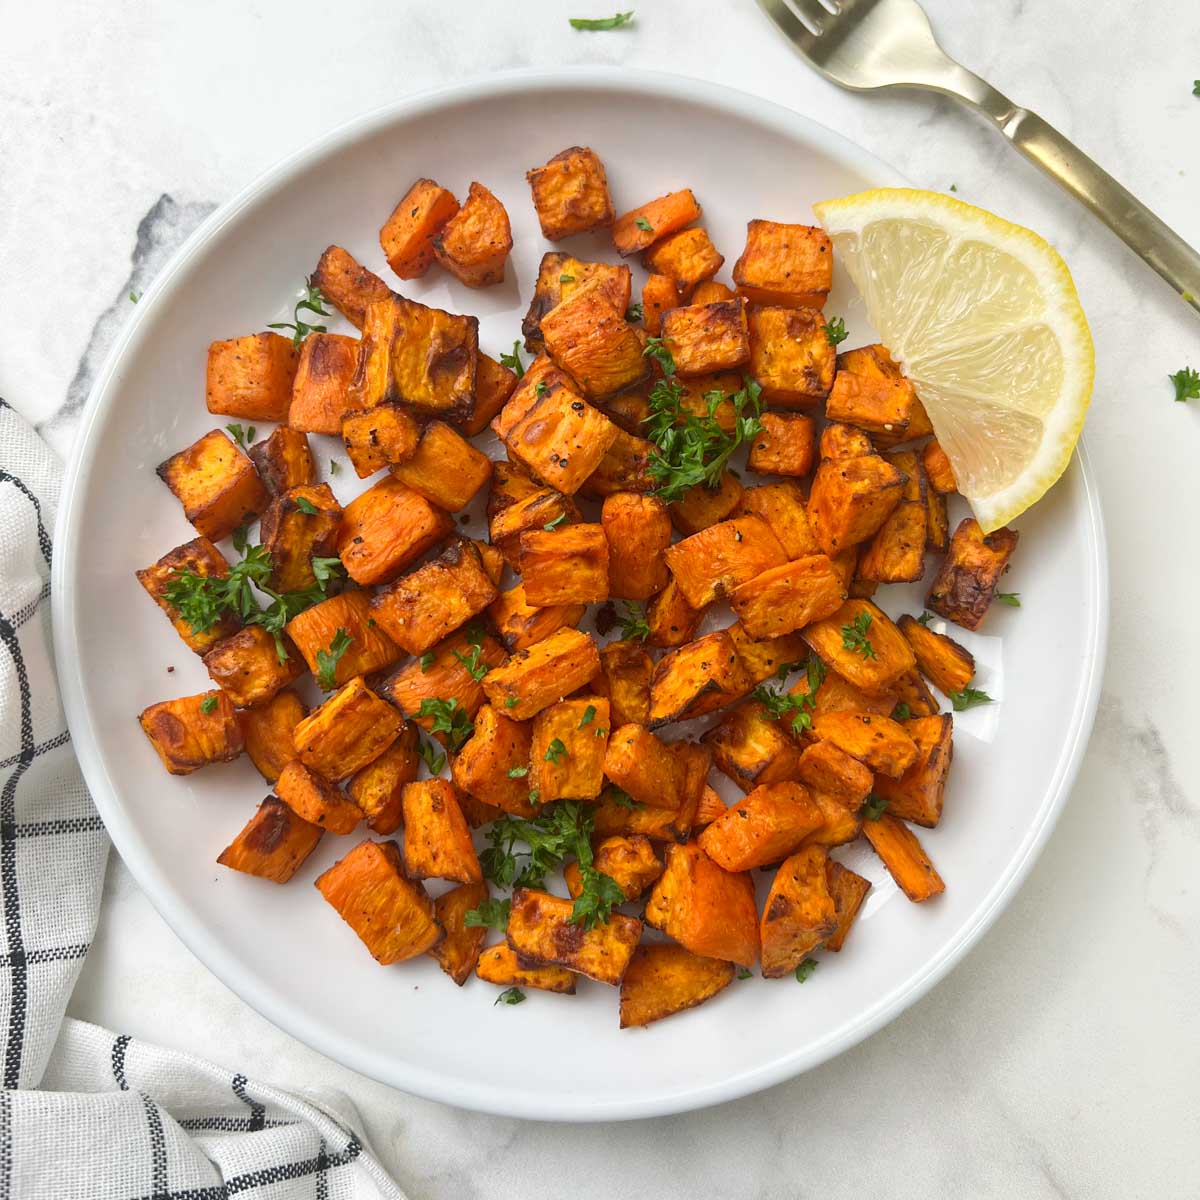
(1061, 1059)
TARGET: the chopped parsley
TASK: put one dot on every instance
(589, 715)
(306, 506)
(312, 301)
(874, 807)
(595, 24)
(634, 623)
(492, 914)
(622, 799)
(566, 279)
(555, 752)
(432, 757)
(327, 660)
(742, 973)
(799, 707)
(208, 704)
(1012, 599)
(335, 467)
(854, 636)
(427, 660)
(243, 435)
(835, 331)
(475, 668)
(644, 225)
(634, 312)
(901, 712)
(1187, 384)
(512, 995)
(551, 526)
(513, 361)
(450, 718)
(517, 772)
(925, 618)
(968, 698)
(805, 969)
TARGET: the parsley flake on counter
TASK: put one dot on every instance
(512, 995)
(1187, 384)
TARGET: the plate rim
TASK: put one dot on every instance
(208, 948)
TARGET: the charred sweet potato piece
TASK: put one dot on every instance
(698, 678)
(562, 439)
(786, 265)
(274, 843)
(687, 257)
(494, 384)
(637, 530)
(283, 460)
(541, 378)
(912, 691)
(587, 336)
(918, 794)
(437, 838)
(786, 598)
(566, 565)
(876, 405)
(799, 914)
(445, 468)
(630, 861)
(519, 624)
(535, 678)
(485, 766)
(967, 578)
(625, 467)
(450, 675)
(570, 194)
(660, 294)
(879, 742)
(391, 913)
(247, 668)
(298, 525)
(839, 824)
(671, 619)
(783, 508)
(318, 801)
(763, 828)
(387, 527)
(625, 671)
(536, 510)
(352, 728)
(710, 564)
(950, 667)
(851, 498)
(705, 908)
(902, 854)
(645, 768)
(197, 557)
(702, 507)
(216, 484)
(378, 788)
(704, 338)
(458, 952)
(938, 469)
(251, 377)
(475, 242)
(785, 445)
(370, 648)
(193, 731)
(559, 277)
(891, 656)
(848, 890)
(348, 285)
(379, 437)
(540, 931)
(267, 732)
(407, 235)
(641, 227)
(937, 522)
(662, 980)
(763, 657)
(749, 746)
(566, 757)
(320, 389)
(501, 966)
(791, 356)
(825, 768)
(844, 441)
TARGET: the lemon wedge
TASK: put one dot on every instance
(984, 318)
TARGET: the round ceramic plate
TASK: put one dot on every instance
(282, 948)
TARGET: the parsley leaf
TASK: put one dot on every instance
(644, 225)
(566, 279)
(541, 388)
(805, 969)
(513, 361)
(968, 698)
(1012, 599)
(874, 807)
(134, 297)
(450, 718)
(854, 636)
(600, 894)
(1187, 384)
(326, 569)
(511, 701)
(242, 435)
(431, 757)
(241, 538)
(335, 467)
(589, 715)
(656, 349)
(555, 752)
(634, 623)
(476, 669)
(835, 331)
(1196, 87)
(553, 525)
(634, 312)
(208, 704)
(622, 799)
(601, 23)
(901, 712)
(312, 301)
(925, 618)
(306, 506)
(427, 660)
(493, 914)
(742, 973)
(517, 772)
(327, 660)
(512, 995)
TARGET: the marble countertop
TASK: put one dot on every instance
(1060, 1059)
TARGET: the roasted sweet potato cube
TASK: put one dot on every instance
(318, 801)
(784, 446)
(543, 674)
(274, 843)
(917, 795)
(193, 731)
(562, 440)
(825, 768)
(348, 285)
(660, 294)
(705, 908)
(378, 788)
(763, 657)
(458, 952)
(687, 257)
(450, 675)
(630, 861)
(839, 824)
(799, 914)
(949, 666)
(625, 671)
(540, 508)
(588, 337)
(379, 437)
(879, 742)
(407, 235)
(875, 405)
(698, 678)
(247, 667)
(791, 356)
(541, 377)
(851, 498)
(848, 890)
(763, 828)
(625, 467)
(321, 388)
(299, 525)
(565, 565)
(216, 484)
(493, 766)
(896, 554)
(519, 624)
(710, 564)
(782, 506)
(415, 355)
(391, 913)
(904, 857)
(704, 338)
(422, 608)
(475, 242)
(643, 226)
(645, 768)
(937, 522)
(615, 815)
(494, 384)
(268, 732)
(709, 292)
(751, 748)
(967, 578)
(283, 460)
(566, 757)
(387, 527)
(637, 530)
(352, 728)
(786, 265)
(836, 694)
(437, 838)
(251, 377)
(891, 656)
(710, 808)
(370, 648)
(912, 691)
(702, 507)
(541, 932)
(697, 396)
(938, 469)
(559, 277)
(570, 194)
(445, 468)
(786, 598)
(501, 966)
(197, 557)
(671, 619)
(662, 980)
(844, 441)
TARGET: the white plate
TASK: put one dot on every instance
(283, 949)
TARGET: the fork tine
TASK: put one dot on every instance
(815, 16)
(788, 23)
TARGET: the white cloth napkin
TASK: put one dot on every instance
(85, 1112)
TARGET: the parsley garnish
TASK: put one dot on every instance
(327, 660)
(513, 361)
(803, 705)
(208, 704)
(312, 301)
(1187, 384)
(512, 995)
(1196, 87)
(134, 297)
(968, 698)
(805, 969)
(634, 312)
(427, 660)
(335, 467)
(432, 757)
(835, 331)
(450, 718)
(493, 914)
(1012, 599)
(901, 712)
(623, 799)
(541, 388)
(925, 618)
(476, 669)
(243, 436)
(874, 807)
(656, 349)
(634, 623)
(555, 752)
(644, 225)
(553, 525)
(742, 973)
(854, 636)
(241, 538)
(566, 279)
(325, 569)
(511, 701)
(306, 506)
(601, 23)
(589, 715)
(517, 772)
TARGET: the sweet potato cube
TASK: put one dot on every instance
(904, 857)
(688, 257)
(938, 469)
(751, 748)
(875, 405)
(379, 437)
(348, 285)
(414, 355)
(614, 816)
(566, 565)
(268, 732)
(710, 808)
(559, 277)
(320, 391)
(378, 788)
(283, 460)
(844, 441)
(702, 507)
(896, 554)
(783, 507)
(540, 508)
(299, 525)
(848, 890)
(458, 952)
(519, 624)
(445, 468)
(643, 226)
(937, 522)
(837, 694)
(422, 608)
(660, 294)
(879, 742)
(625, 467)
(662, 980)
(786, 598)
(826, 769)
(477, 813)
(967, 579)
(274, 843)
(791, 356)
(630, 861)
(541, 377)
(370, 648)
(407, 235)
(475, 242)
(501, 966)
(562, 440)
(193, 731)
(541, 931)
(671, 619)
(197, 557)
(637, 530)
(566, 756)
(949, 666)
(710, 564)
(785, 445)
(625, 671)
(391, 913)
(494, 384)
(918, 794)
(697, 395)
(570, 194)
(705, 908)
(543, 674)
(247, 668)
(763, 657)
(645, 768)
(763, 828)
(437, 838)
(851, 498)
(786, 265)
(216, 484)
(387, 527)
(799, 914)
(891, 656)
(588, 337)
(913, 692)
(839, 824)
(709, 292)
(352, 728)
(318, 801)
(704, 338)
(251, 377)
(698, 678)
(493, 766)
